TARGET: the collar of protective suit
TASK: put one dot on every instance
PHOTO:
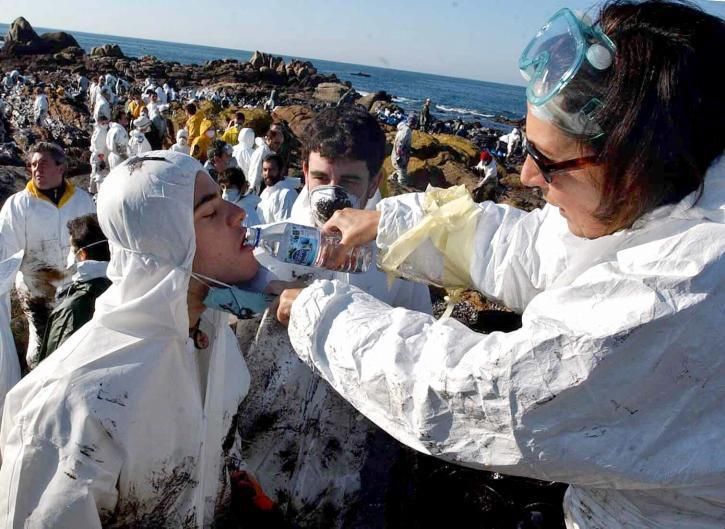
(70, 189)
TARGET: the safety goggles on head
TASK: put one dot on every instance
(566, 65)
(549, 168)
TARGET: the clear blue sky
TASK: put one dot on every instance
(476, 39)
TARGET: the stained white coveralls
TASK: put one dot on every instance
(254, 176)
(128, 422)
(615, 383)
(117, 144)
(9, 364)
(30, 221)
(314, 448)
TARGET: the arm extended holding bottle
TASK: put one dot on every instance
(357, 227)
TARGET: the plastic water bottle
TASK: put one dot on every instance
(307, 246)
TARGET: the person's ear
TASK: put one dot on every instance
(82, 255)
(375, 183)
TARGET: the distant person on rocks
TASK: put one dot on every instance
(40, 107)
(138, 143)
(99, 154)
(122, 87)
(425, 118)
(94, 90)
(34, 220)
(82, 84)
(285, 148)
(273, 140)
(271, 103)
(182, 142)
(193, 121)
(231, 134)
(88, 259)
(512, 141)
(401, 152)
(486, 167)
(244, 149)
(102, 106)
(200, 145)
(117, 138)
(135, 104)
(276, 200)
(161, 94)
(235, 189)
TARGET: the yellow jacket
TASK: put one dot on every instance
(230, 135)
(193, 125)
(202, 142)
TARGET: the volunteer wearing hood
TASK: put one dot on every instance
(34, 220)
(277, 199)
(132, 421)
(99, 154)
(182, 142)
(203, 141)
(270, 145)
(40, 107)
(137, 141)
(401, 152)
(117, 138)
(614, 382)
(314, 455)
(244, 149)
(193, 122)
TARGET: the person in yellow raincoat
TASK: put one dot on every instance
(193, 123)
(203, 140)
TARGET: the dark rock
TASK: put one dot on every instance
(108, 50)
(21, 32)
(368, 100)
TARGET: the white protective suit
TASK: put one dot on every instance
(137, 143)
(101, 107)
(40, 109)
(117, 144)
(99, 156)
(182, 142)
(30, 221)
(243, 149)
(275, 204)
(313, 448)
(614, 384)
(9, 364)
(127, 424)
(254, 176)
(162, 95)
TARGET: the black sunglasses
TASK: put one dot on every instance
(549, 168)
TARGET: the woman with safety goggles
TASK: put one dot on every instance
(614, 383)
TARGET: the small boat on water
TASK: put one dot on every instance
(360, 74)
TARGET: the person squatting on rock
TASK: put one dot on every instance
(401, 151)
(329, 443)
(614, 382)
(87, 259)
(132, 422)
(35, 220)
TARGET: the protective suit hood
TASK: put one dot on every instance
(145, 209)
(246, 138)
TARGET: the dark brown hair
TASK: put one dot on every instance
(346, 132)
(664, 111)
(85, 231)
(53, 149)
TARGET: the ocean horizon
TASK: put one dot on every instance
(452, 97)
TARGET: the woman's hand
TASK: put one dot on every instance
(357, 226)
